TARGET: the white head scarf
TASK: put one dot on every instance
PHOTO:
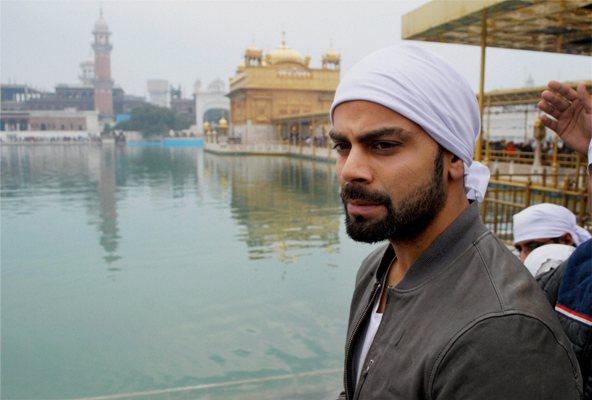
(547, 220)
(428, 91)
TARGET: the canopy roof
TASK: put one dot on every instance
(527, 95)
(550, 26)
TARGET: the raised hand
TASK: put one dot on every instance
(572, 113)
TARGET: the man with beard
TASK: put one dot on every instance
(444, 310)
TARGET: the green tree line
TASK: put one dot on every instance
(152, 120)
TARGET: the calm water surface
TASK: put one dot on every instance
(171, 274)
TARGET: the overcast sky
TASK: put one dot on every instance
(43, 42)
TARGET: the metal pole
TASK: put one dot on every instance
(482, 82)
(554, 163)
(525, 125)
(487, 134)
(578, 166)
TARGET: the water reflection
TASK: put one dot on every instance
(98, 177)
(106, 188)
(285, 206)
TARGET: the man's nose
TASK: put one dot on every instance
(356, 167)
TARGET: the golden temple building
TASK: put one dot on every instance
(277, 85)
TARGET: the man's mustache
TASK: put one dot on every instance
(356, 192)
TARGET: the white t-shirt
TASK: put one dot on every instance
(590, 157)
(368, 338)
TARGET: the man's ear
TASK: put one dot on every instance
(567, 239)
(456, 167)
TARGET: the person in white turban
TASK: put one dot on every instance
(443, 310)
(546, 223)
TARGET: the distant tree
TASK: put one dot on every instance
(152, 120)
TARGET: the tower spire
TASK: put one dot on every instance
(103, 96)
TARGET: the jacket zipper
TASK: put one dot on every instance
(363, 377)
(346, 378)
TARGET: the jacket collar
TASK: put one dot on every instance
(456, 238)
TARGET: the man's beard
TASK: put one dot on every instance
(413, 215)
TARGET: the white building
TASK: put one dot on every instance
(87, 73)
(214, 97)
(158, 92)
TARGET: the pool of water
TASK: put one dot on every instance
(170, 273)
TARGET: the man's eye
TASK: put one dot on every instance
(384, 145)
(340, 147)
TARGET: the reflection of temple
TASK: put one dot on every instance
(285, 205)
(276, 85)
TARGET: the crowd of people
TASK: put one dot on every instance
(512, 148)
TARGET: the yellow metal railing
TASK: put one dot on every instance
(506, 197)
(553, 179)
(564, 160)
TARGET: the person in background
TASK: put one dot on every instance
(569, 287)
(546, 223)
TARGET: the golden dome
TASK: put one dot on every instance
(284, 54)
(331, 58)
(222, 123)
(253, 51)
(331, 55)
(331, 52)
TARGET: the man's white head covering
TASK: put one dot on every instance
(428, 91)
(543, 221)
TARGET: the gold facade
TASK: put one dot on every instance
(264, 106)
(281, 84)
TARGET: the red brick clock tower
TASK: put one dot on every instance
(103, 82)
